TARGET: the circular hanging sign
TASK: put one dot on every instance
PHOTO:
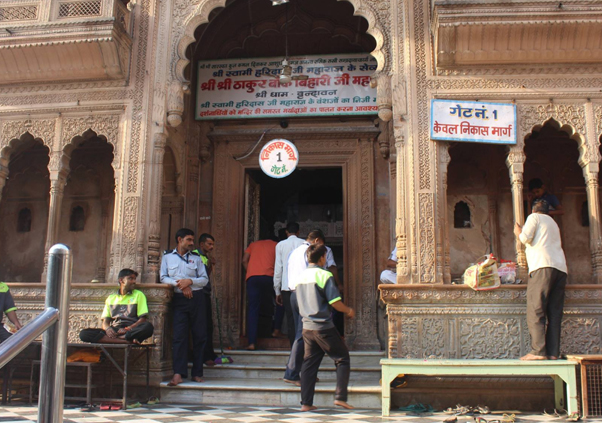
(278, 158)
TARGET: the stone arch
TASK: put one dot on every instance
(24, 184)
(78, 129)
(77, 140)
(200, 15)
(187, 18)
(6, 149)
(569, 118)
(90, 186)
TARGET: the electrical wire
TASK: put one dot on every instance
(255, 146)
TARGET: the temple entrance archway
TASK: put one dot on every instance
(24, 211)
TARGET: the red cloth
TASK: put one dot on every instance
(262, 257)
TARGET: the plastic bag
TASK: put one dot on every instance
(483, 275)
(507, 272)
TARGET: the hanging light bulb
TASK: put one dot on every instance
(287, 72)
(279, 2)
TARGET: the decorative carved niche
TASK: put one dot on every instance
(462, 215)
(77, 220)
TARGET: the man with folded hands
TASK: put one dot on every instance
(124, 316)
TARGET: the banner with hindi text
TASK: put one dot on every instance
(473, 121)
(250, 88)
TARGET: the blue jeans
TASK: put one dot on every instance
(258, 289)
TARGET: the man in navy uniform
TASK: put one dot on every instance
(186, 272)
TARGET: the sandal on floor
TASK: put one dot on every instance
(508, 418)
(116, 406)
(573, 417)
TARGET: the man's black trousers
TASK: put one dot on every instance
(189, 315)
(316, 344)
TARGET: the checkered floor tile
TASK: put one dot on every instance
(247, 414)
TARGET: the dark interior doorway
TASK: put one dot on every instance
(311, 197)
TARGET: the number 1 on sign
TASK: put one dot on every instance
(279, 158)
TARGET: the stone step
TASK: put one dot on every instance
(267, 392)
(279, 358)
(275, 372)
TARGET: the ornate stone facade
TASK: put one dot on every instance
(143, 107)
(453, 321)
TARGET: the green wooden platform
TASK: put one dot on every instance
(559, 370)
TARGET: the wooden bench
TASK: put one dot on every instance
(559, 370)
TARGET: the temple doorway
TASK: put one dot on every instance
(312, 197)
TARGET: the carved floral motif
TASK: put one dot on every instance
(43, 129)
(489, 338)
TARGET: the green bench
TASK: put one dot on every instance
(559, 370)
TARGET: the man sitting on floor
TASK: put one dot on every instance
(124, 316)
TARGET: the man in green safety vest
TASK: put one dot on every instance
(205, 251)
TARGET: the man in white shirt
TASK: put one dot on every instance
(547, 280)
(389, 275)
(283, 293)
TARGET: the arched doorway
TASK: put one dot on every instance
(24, 211)
(553, 157)
(86, 220)
(340, 144)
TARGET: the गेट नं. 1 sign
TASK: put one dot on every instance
(473, 121)
(278, 158)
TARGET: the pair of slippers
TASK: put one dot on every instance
(111, 406)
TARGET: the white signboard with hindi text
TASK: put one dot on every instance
(250, 88)
(278, 158)
(473, 121)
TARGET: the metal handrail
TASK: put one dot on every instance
(54, 342)
(28, 333)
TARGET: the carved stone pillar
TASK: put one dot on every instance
(443, 258)
(516, 166)
(590, 172)
(58, 180)
(401, 223)
(156, 187)
(3, 176)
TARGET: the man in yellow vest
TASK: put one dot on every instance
(205, 251)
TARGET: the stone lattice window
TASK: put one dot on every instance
(462, 215)
(77, 221)
(24, 220)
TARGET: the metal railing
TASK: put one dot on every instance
(54, 342)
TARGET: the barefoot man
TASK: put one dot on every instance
(547, 279)
(124, 316)
(317, 292)
(185, 271)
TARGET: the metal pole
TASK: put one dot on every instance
(54, 343)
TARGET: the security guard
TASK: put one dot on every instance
(206, 245)
(185, 271)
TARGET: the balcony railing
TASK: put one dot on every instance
(19, 12)
(59, 40)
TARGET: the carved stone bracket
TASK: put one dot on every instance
(175, 104)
